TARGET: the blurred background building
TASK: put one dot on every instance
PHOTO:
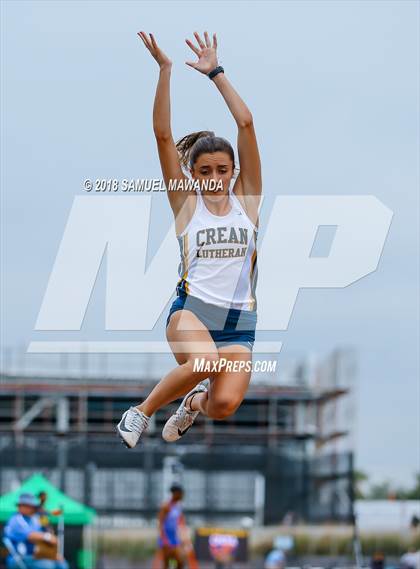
(285, 456)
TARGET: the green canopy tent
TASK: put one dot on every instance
(75, 513)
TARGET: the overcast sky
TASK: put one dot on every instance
(333, 88)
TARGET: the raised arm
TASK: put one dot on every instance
(168, 154)
(249, 182)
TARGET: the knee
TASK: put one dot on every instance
(222, 408)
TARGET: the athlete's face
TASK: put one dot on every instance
(214, 166)
(177, 495)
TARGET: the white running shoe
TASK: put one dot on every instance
(131, 426)
(182, 420)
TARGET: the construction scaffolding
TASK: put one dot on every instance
(283, 455)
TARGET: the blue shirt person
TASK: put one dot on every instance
(276, 559)
(171, 519)
(24, 530)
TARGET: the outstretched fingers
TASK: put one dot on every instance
(147, 42)
(206, 52)
(199, 40)
(192, 46)
(202, 45)
(154, 44)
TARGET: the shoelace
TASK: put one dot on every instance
(138, 421)
(184, 415)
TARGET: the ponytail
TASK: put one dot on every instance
(185, 144)
(191, 146)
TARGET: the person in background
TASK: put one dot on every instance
(276, 559)
(411, 559)
(171, 519)
(25, 532)
(377, 561)
(415, 521)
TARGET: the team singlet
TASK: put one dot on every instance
(172, 520)
(219, 257)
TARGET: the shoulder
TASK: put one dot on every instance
(165, 507)
(17, 526)
(184, 215)
(250, 204)
(15, 520)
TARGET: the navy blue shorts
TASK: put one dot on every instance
(225, 325)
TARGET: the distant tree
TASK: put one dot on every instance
(381, 491)
(384, 491)
(413, 493)
(360, 477)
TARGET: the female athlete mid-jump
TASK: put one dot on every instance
(213, 318)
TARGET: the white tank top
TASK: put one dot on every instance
(219, 257)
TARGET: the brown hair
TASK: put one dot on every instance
(191, 146)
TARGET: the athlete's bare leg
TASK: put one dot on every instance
(170, 553)
(227, 388)
(192, 340)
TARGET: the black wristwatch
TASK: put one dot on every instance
(215, 71)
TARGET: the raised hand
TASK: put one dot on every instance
(206, 53)
(156, 52)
